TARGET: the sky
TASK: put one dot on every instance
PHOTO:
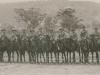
(88, 0)
(6, 1)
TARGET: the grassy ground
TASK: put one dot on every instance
(33, 69)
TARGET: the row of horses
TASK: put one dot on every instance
(47, 50)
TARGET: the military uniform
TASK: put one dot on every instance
(84, 34)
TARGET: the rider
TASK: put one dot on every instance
(96, 33)
(84, 33)
(73, 35)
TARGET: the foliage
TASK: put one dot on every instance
(32, 17)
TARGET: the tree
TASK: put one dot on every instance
(68, 19)
(31, 17)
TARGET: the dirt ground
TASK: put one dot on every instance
(32, 69)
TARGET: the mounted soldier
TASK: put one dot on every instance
(74, 43)
(60, 43)
(84, 33)
(2, 50)
(84, 45)
(6, 44)
(94, 44)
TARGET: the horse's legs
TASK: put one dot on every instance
(97, 56)
(51, 57)
(74, 59)
(17, 56)
(34, 57)
(47, 57)
(67, 56)
(70, 57)
(85, 57)
(62, 57)
(1, 56)
(29, 54)
(55, 56)
(40, 57)
(80, 60)
(82, 57)
(21, 54)
(13, 56)
(37, 57)
(92, 57)
(9, 56)
(24, 56)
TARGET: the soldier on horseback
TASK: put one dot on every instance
(95, 40)
(84, 45)
(74, 44)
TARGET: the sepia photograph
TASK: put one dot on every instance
(49, 37)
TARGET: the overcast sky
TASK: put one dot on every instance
(5, 1)
(87, 0)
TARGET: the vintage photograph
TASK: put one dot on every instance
(49, 37)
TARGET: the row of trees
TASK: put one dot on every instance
(49, 39)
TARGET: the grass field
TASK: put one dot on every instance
(33, 69)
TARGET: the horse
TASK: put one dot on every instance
(84, 45)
